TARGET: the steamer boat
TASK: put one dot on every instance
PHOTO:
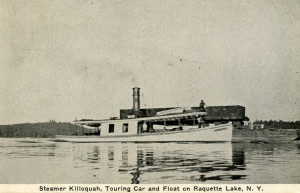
(171, 125)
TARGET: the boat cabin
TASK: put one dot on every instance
(133, 126)
(135, 123)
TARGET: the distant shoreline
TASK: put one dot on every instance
(40, 130)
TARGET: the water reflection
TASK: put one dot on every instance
(149, 158)
(26, 148)
(147, 163)
(179, 161)
(111, 154)
(238, 156)
(136, 175)
(94, 156)
(298, 146)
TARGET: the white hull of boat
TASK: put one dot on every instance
(219, 133)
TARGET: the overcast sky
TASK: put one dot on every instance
(65, 59)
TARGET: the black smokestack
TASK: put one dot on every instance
(136, 99)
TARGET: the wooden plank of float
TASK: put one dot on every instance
(143, 118)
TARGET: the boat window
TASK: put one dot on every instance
(111, 128)
(125, 128)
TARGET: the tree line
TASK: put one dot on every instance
(41, 130)
(274, 124)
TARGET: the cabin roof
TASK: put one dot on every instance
(155, 118)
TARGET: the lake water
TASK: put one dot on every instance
(30, 161)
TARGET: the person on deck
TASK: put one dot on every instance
(202, 106)
(200, 122)
(145, 127)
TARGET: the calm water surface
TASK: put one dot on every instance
(44, 161)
